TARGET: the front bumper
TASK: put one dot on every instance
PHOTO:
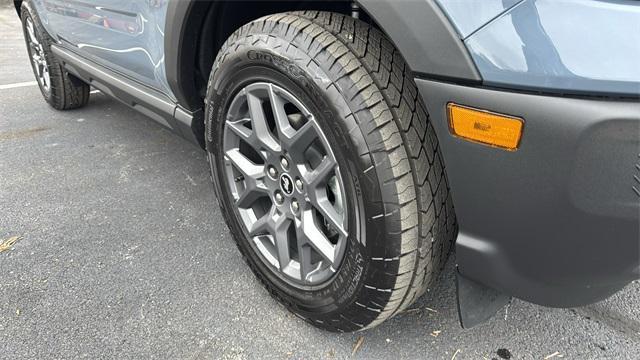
(556, 222)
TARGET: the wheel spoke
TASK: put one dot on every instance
(304, 257)
(295, 141)
(303, 138)
(37, 66)
(239, 129)
(31, 32)
(315, 237)
(259, 124)
(244, 165)
(250, 195)
(277, 225)
(280, 116)
(253, 178)
(246, 134)
(281, 237)
(45, 76)
(318, 177)
(263, 225)
(329, 212)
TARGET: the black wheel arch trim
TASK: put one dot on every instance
(426, 38)
(184, 22)
(416, 28)
(18, 5)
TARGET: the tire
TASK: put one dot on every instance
(400, 216)
(61, 90)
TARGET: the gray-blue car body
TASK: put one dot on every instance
(555, 223)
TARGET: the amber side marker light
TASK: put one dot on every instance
(485, 127)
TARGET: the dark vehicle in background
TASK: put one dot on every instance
(353, 144)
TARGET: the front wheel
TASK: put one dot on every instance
(327, 168)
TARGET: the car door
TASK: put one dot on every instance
(126, 36)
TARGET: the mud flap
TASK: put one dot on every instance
(477, 303)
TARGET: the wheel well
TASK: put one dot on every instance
(17, 4)
(220, 20)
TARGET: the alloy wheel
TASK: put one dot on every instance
(38, 58)
(286, 184)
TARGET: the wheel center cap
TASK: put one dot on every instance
(286, 184)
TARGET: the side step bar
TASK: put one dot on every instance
(143, 99)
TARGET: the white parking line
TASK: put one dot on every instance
(17, 85)
(29, 83)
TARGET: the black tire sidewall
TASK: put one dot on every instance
(259, 64)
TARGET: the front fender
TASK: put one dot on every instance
(425, 37)
(588, 47)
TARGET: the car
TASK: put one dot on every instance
(354, 144)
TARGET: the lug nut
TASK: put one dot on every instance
(273, 172)
(285, 163)
(299, 185)
(295, 206)
(279, 198)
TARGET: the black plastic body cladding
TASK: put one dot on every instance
(180, 43)
(555, 222)
(425, 37)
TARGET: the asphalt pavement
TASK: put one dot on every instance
(123, 253)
